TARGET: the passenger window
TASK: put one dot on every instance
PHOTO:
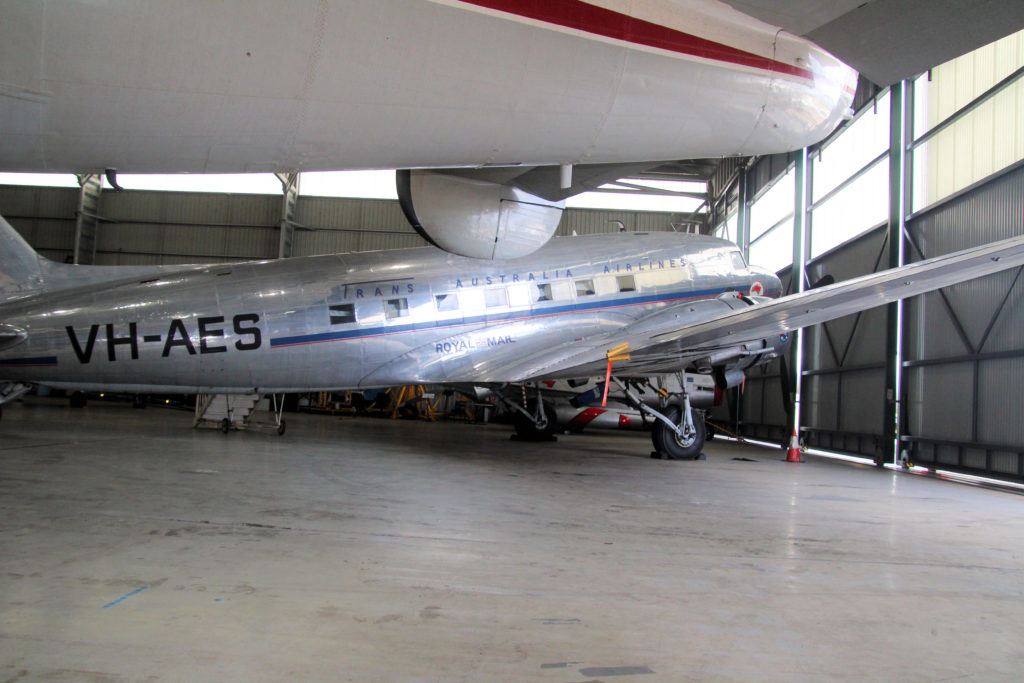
(396, 308)
(626, 283)
(446, 302)
(584, 287)
(543, 292)
(471, 300)
(342, 314)
(561, 291)
(519, 295)
(495, 298)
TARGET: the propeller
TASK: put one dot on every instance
(823, 281)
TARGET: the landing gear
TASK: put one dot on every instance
(538, 425)
(670, 444)
(277, 406)
(678, 431)
(533, 419)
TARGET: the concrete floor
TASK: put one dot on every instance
(135, 548)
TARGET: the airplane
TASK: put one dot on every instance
(632, 305)
(494, 111)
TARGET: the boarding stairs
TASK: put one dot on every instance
(236, 411)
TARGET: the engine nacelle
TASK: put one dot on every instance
(476, 218)
(727, 364)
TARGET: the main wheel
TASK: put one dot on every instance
(528, 429)
(280, 428)
(225, 425)
(669, 445)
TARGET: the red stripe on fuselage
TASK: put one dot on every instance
(581, 16)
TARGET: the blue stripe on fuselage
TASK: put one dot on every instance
(297, 340)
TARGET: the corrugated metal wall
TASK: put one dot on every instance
(339, 225)
(964, 347)
(45, 217)
(844, 360)
(963, 350)
(149, 227)
(181, 227)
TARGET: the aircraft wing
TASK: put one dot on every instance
(667, 340)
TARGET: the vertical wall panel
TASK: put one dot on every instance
(842, 396)
(1000, 381)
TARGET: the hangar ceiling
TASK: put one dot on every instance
(889, 40)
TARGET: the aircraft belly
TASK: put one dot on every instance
(231, 95)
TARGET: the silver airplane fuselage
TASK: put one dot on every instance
(370, 319)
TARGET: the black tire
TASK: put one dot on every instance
(280, 428)
(78, 399)
(527, 429)
(668, 445)
(225, 425)
(140, 401)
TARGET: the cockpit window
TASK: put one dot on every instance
(737, 260)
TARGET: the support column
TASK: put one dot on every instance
(743, 214)
(797, 276)
(87, 218)
(290, 185)
(743, 242)
(898, 120)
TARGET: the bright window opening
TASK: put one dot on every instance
(396, 308)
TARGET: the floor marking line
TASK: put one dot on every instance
(124, 597)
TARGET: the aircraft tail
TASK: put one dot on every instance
(21, 268)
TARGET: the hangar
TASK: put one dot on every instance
(137, 547)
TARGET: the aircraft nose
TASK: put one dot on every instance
(770, 282)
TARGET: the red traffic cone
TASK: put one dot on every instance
(794, 450)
